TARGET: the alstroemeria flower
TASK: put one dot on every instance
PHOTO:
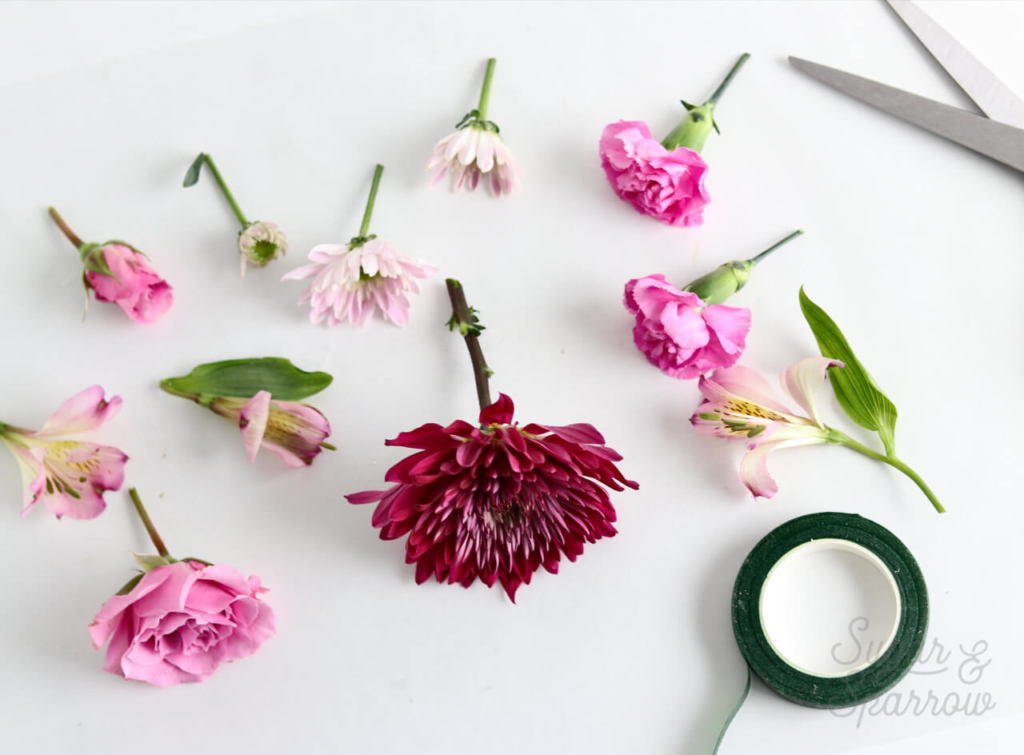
(350, 282)
(294, 431)
(497, 501)
(679, 332)
(739, 404)
(475, 149)
(68, 476)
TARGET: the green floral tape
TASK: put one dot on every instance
(830, 691)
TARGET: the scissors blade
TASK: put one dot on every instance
(991, 138)
(981, 85)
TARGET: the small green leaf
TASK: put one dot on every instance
(130, 584)
(94, 261)
(244, 378)
(149, 562)
(861, 399)
(193, 170)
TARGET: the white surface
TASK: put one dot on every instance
(913, 245)
(815, 593)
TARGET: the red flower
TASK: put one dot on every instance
(498, 501)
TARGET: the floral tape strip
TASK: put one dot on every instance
(830, 691)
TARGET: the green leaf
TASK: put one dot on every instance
(130, 584)
(193, 170)
(858, 394)
(94, 261)
(149, 562)
(244, 378)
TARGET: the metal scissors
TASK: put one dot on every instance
(998, 134)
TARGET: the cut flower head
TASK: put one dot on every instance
(739, 404)
(351, 281)
(69, 477)
(475, 149)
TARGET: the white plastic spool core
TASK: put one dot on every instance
(830, 607)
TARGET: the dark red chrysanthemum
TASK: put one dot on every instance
(498, 501)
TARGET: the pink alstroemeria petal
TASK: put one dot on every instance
(33, 474)
(754, 467)
(86, 410)
(804, 379)
(744, 383)
(253, 422)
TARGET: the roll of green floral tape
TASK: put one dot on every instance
(831, 531)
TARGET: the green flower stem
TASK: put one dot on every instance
(773, 247)
(365, 227)
(72, 237)
(485, 91)
(158, 542)
(713, 99)
(843, 439)
(328, 446)
(464, 319)
(227, 192)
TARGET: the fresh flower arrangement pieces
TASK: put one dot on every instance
(261, 398)
(178, 621)
(68, 476)
(259, 243)
(118, 272)
(739, 404)
(685, 333)
(495, 501)
(664, 180)
(476, 149)
(352, 280)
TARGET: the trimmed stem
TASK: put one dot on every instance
(71, 235)
(776, 245)
(371, 200)
(463, 316)
(728, 79)
(328, 446)
(485, 91)
(894, 462)
(158, 542)
(227, 192)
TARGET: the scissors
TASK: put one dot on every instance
(998, 134)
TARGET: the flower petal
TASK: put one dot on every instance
(253, 422)
(83, 411)
(743, 383)
(754, 467)
(498, 413)
(804, 379)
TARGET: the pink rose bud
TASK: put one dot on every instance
(119, 273)
(180, 620)
(664, 180)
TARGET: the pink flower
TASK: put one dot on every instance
(181, 621)
(497, 502)
(68, 476)
(130, 283)
(667, 185)
(739, 404)
(350, 281)
(679, 333)
(471, 152)
(295, 432)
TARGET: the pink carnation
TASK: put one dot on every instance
(181, 621)
(133, 285)
(668, 186)
(680, 334)
(497, 501)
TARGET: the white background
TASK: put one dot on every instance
(913, 245)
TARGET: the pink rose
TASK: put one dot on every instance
(133, 285)
(679, 333)
(668, 186)
(181, 621)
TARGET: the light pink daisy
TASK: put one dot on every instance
(476, 149)
(350, 282)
